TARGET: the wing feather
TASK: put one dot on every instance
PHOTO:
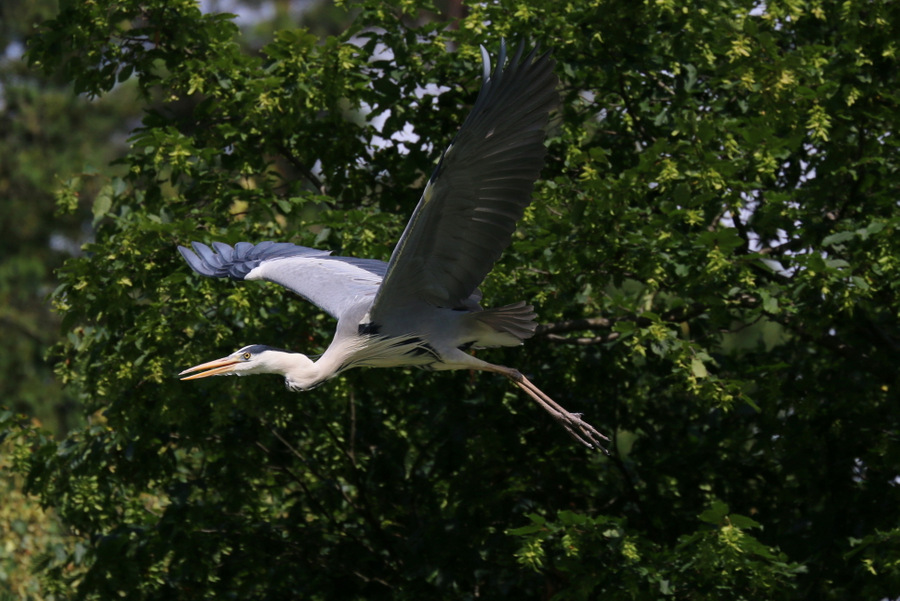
(479, 190)
(334, 284)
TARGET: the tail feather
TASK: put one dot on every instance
(504, 326)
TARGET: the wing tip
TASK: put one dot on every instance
(223, 260)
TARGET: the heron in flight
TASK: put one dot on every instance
(422, 307)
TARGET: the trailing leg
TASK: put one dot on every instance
(577, 428)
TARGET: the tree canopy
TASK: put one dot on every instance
(712, 250)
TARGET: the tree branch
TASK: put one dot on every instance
(583, 341)
(302, 168)
(553, 331)
(573, 325)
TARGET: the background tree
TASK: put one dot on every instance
(47, 134)
(712, 249)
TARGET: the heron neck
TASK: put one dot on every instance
(302, 373)
(299, 371)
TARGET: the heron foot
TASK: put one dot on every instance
(581, 431)
(577, 428)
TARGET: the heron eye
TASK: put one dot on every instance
(247, 356)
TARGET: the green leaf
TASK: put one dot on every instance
(698, 368)
(715, 514)
(769, 302)
(102, 203)
(743, 522)
(838, 238)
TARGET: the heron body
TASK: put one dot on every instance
(421, 308)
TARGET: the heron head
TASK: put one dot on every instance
(257, 359)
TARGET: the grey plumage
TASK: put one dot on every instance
(479, 190)
(237, 262)
(422, 307)
(331, 283)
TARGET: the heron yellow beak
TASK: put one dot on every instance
(214, 368)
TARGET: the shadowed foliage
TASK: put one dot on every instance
(712, 252)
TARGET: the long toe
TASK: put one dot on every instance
(583, 432)
(577, 428)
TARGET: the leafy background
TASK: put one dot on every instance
(712, 250)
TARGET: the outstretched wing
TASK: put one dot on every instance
(331, 283)
(480, 188)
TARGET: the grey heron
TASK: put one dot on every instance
(422, 307)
